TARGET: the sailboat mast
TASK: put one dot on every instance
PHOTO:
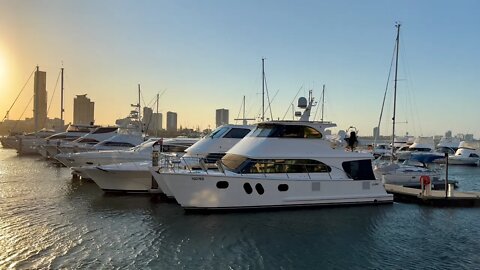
(139, 110)
(395, 89)
(156, 119)
(61, 98)
(263, 89)
(323, 100)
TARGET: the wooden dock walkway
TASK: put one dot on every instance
(434, 197)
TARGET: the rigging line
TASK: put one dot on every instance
(53, 94)
(316, 111)
(268, 98)
(23, 88)
(385, 95)
(16, 123)
(293, 100)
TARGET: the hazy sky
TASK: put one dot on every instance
(207, 55)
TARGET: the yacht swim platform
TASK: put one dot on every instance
(434, 197)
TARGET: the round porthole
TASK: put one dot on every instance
(259, 189)
(282, 187)
(248, 189)
(222, 184)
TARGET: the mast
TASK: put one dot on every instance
(156, 119)
(61, 99)
(395, 89)
(263, 89)
(323, 100)
(139, 110)
(35, 102)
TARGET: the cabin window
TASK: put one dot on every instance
(474, 155)
(282, 187)
(118, 144)
(286, 131)
(359, 169)
(285, 166)
(259, 188)
(232, 161)
(105, 130)
(237, 133)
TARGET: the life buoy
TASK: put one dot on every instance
(425, 180)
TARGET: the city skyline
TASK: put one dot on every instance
(204, 56)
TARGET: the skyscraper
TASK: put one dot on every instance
(171, 121)
(83, 110)
(221, 117)
(40, 99)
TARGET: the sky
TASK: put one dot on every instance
(206, 55)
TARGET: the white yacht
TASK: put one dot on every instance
(280, 164)
(204, 153)
(51, 146)
(421, 145)
(468, 153)
(86, 142)
(448, 145)
(138, 153)
(133, 176)
(27, 143)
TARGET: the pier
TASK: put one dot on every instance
(434, 197)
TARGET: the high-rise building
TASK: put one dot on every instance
(83, 110)
(147, 118)
(221, 117)
(151, 121)
(40, 99)
(157, 121)
(171, 121)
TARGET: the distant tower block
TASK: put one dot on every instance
(171, 121)
(221, 117)
(83, 110)
(40, 99)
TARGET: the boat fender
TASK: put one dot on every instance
(425, 180)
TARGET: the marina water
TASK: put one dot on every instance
(49, 220)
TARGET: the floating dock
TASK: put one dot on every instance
(434, 197)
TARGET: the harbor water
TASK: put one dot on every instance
(50, 221)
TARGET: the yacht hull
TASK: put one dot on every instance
(120, 180)
(218, 191)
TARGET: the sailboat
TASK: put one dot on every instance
(402, 174)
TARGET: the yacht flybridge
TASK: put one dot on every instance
(281, 164)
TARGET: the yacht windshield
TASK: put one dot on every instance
(217, 133)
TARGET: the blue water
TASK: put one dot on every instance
(49, 220)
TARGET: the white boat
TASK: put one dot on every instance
(203, 154)
(403, 174)
(468, 153)
(281, 164)
(50, 146)
(421, 145)
(448, 145)
(86, 142)
(130, 176)
(27, 143)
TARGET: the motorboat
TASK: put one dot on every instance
(421, 145)
(51, 145)
(27, 142)
(448, 145)
(468, 153)
(202, 155)
(137, 153)
(281, 164)
(132, 176)
(86, 142)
